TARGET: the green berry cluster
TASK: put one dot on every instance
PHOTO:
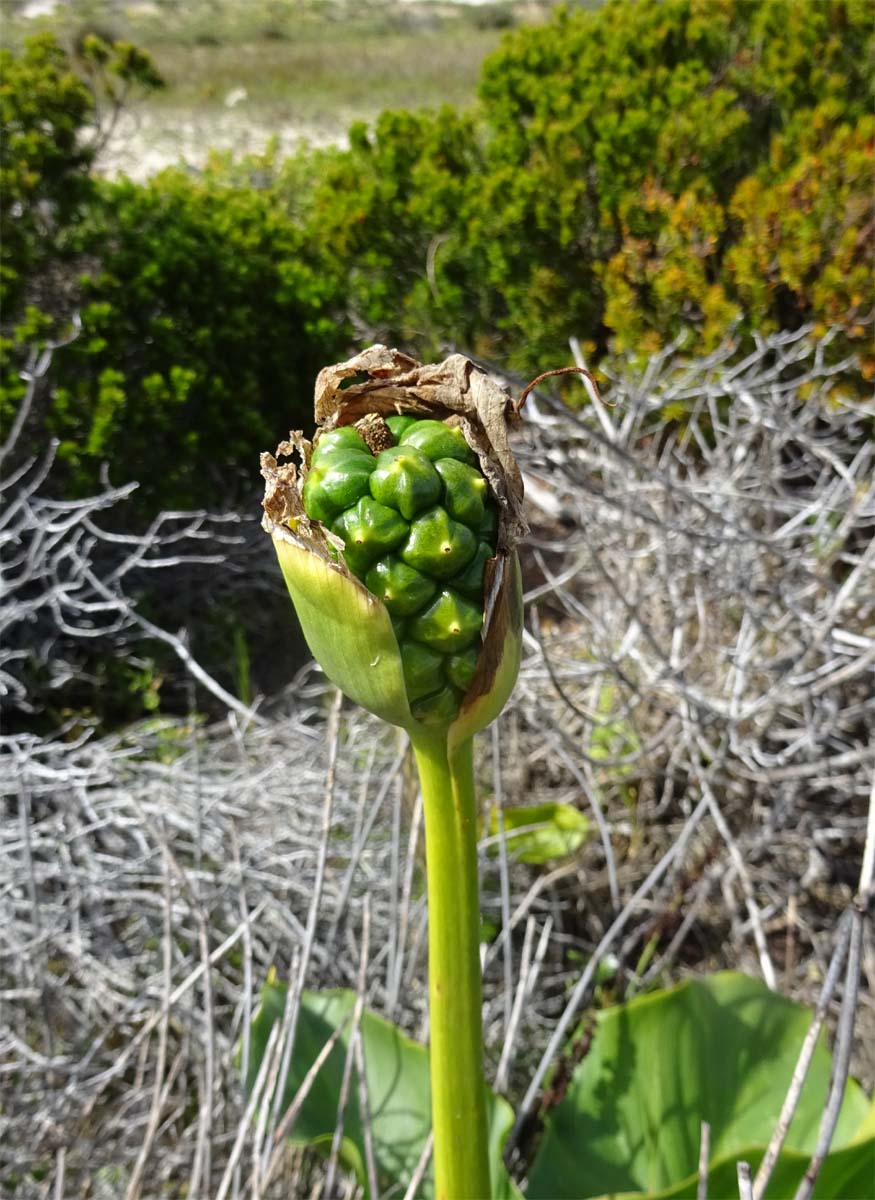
(418, 528)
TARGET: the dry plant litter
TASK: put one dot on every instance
(697, 678)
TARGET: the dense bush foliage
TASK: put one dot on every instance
(43, 161)
(646, 170)
(637, 171)
(205, 313)
(204, 326)
(43, 183)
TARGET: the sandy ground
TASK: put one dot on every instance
(145, 141)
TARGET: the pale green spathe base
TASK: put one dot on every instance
(350, 635)
(348, 631)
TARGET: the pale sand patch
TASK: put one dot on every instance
(146, 141)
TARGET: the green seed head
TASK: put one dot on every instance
(413, 531)
(420, 529)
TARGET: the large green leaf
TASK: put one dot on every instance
(538, 833)
(398, 1089)
(721, 1050)
(846, 1175)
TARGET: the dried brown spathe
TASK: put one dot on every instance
(386, 381)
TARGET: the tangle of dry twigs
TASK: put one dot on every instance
(697, 678)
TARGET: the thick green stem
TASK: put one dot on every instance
(458, 1089)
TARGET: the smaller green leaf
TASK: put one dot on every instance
(398, 1085)
(538, 833)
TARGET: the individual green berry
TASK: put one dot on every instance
(450, 623)
(439, 708)
(345, 438)
(461, 667)
(399, 423)
(402, 589)
(465, 491)
(437, 440)
(405, 479)
(423, 670)
(470, 581)
(369, 530)
(336, 482)
(437, 545)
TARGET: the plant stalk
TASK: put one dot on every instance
(458, 1087)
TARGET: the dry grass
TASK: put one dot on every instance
(238, 74)
(330, 81)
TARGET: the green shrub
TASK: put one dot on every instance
(609, 187)
(204, 313)
(202, 329)
(807, 233)
(632, 173)
(388, 216)
(44, 164)
(633, 129)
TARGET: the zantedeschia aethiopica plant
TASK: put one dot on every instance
(396, 534)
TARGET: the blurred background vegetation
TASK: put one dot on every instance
(631, 174)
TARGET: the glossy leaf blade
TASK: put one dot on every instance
(540, 833)
(398, 1090)
(847, 1174)
(720, 1049)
